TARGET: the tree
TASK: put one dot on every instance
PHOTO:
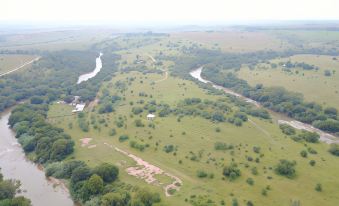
(334, 149)
(286, 168)
(93, 186)
(115, 199)
(61, 148)
(231, 171)
(287, 129)
(7, 189)
(80, 174)
(147, 198)
(329, 125)
(37, 100)
(312, 137)
(107, 172)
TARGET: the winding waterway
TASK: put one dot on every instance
(34, 184)
(87, 76)
(324, 137)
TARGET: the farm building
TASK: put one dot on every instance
(150, 116)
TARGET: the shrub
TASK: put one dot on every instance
(286, 168)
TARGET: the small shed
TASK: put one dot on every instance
(150, 116)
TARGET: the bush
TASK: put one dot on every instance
(222, 146)
(318, 187)
(137, 110)
(137, 146)
(138, 123)
(286, 168)
(201, 174)
(241, 116)
(112, 132)
(232, 171)
(254, 171)
(123, 138)
(250, 181)
(303, 153)
(256, 149)
(312, 162)
(168, 148)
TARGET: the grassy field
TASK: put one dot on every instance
(11, 61)
(196, 136)
(235, 41)
(313, 84)
(309, 38)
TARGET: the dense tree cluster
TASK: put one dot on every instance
(47, 142)
(100, 185)
(302, 65)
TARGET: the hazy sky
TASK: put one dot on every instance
(169, 11)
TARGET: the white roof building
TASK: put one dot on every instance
(79, 108)
(150, 116)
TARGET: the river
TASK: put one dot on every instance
(34, 185)
(324, 137)
(87, 76)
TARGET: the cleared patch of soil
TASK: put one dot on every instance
(147, 172)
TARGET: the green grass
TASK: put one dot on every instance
(314, 85)
(200, 137)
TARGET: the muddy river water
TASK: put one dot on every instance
(34, 184)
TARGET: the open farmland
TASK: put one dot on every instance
(313, 84)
